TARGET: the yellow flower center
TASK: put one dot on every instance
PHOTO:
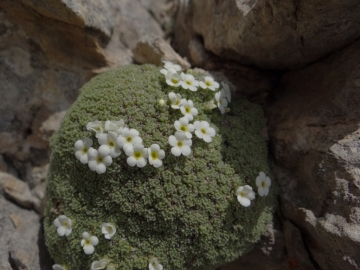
(84, 150)
(208, 83)
(188, 82)
(99, 159)
(203, 130)
(183, 128)
(174, 81)
(177, 102)
(263, 184)
(109, 228)
(137, 154)
(154, 264)
(154, 155)
(242, 193)
(97, 128)
(187, 109)
(129, 139)
(111, 143)
(180, 144)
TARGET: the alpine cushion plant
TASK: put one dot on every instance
(182, 210)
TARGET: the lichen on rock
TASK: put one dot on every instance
(184, 213)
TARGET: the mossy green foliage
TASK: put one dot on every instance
(184, 213)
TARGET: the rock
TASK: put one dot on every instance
(268, 34)
(48, 51)
(16, 190)
(314, 132)
(19, 240)
(154, 50)
(37, 175)
(39, 198)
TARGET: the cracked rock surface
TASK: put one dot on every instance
(269, 34)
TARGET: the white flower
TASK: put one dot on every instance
(116, 126)
(161, 102)
(204, 131)
(209, 83)
(81, 150)
(110, 140)
(97, 265)
(88, 242)
(182, 125)
(99, 159)
(263, 182)
(227, 91)
(63, 224)
(222, 102)
(244, 195)
(189, 82)
(187, 109)
(59, 267)
(181, 145)
(96, 126)
(108, 230)
(137, 155)
(155, 155)
(175, 100)
(210, 105)
(111, 266)
(128, 137)
(169, 65)
(173, 79)
(154, 264)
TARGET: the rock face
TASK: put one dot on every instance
(314, 132)
(49, 49)
(269, 34)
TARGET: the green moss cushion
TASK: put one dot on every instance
(184, 213)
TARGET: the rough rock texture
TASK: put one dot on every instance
(314, 132)
(154, 50)
(269, 34)
(20, 244)
(48, 50)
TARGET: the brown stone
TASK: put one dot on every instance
(268, 34)
(314, 134)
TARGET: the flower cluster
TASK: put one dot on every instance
(188, 81)
(88, 242)
(181, 141)
(112, 137)
(245, 194)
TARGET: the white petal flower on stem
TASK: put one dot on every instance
(182, 125)
(221, 100)
(63, 224)
(155, 155)
(170, 65)
(173, 79)
(227, 91)
(137, 155)
(99, 159)
(188, 110)
(88, 243)
(245, 195)
(96, 126)
(181, 144)
(97, 265)
(155, 265)
(263, 182)
(204, 131)
(110, 139)
(189, 82)
(115, 126)
(108, 230)
(165, 71)
(175, 100)
(128, 137)
(209, 83)
(82, 148)
(59, 267)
